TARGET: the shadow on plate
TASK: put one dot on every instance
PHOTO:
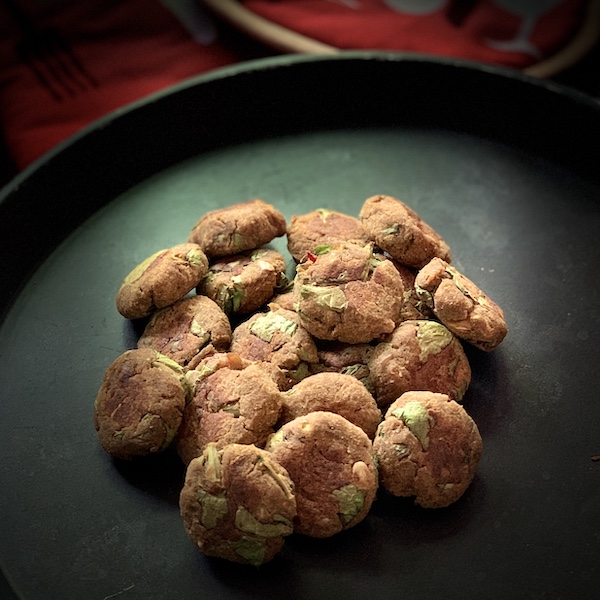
(161, 476)
(488, 398)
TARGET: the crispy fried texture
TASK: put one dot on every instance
(330, 461)
(237, 228)
(161, 280)
(401, 232)
(461, 305)
(188, 330)
(349, 294)
(230, 405)
(139, 405)
(427, 447)
(242, 283)
(277, 337)
(238, 504)
(419, 355)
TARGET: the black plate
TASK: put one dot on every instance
(503, 166)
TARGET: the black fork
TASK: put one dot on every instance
(50, 58)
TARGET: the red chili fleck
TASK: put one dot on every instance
(312, 257)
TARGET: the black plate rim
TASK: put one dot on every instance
(283, 61)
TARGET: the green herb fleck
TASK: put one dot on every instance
(251, 549)
(230, 297)
(415, 416)
(196, 257)
(258, 253)
(328, 297)
(164, 361)
(237, 240)
(199, 331)
(393, 230)
(245, 521)
(322, 249)
(300, 372)
(324, 214)
(283, 283)
(203, 372)
(214, 507)
(432, 338)
(351, 500)
(265, 327)
(232, 409)
(352, 369)
(424, 296)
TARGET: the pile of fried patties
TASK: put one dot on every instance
(293, 399)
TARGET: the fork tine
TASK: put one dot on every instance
(55, 64)
(74, 62)
(49, 56)
(37, 67)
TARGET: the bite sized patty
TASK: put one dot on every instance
(237, 228)
(161, 280)
(276, 337)
(461, 305)
(331, 463)
(333, 392)
(419, 355)
(243, 283)
(401, 232)
(237, 503)
(349, 294)
(427, 447)
(236, 403)
(139, 405)
(320, 230)
(188, 330)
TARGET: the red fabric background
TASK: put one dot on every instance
(372, 24)
(135, 47)
(131, 47)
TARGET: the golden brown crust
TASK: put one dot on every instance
(401, 232)
(461, 305)
(239, 405)
(243, 283)
(188, 330)
(238, 504)
(277, 337)
(237, 228)
(161, 280)
(330, 461)
(427, 447)
(321, 229)
(139, 406)
(333, 392)
(419, 355)
(349, 294)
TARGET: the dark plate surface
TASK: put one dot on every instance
(504, 167)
